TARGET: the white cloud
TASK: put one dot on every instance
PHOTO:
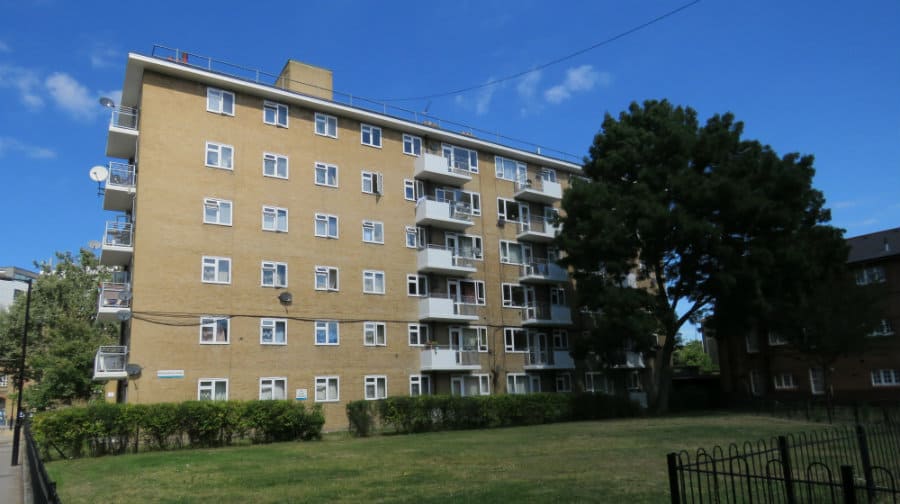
(844, 204)
(25, 81)
(483, 99)
(527, 86)
(4, 48)
(71, 95)
(578, 79)
(104, 57)
(8, 144)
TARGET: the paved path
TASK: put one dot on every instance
(10, 477)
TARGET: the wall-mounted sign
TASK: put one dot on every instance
(170, 373)
(300, 395)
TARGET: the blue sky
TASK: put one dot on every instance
(815, 77)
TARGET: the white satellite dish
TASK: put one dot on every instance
(107, 102)
(125, 295)
(98, 173)
(94, 244)
(123, 315)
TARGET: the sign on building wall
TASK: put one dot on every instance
(170, 373)
(301, 394)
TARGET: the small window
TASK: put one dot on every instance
(273, 331)
(563, 382)
(216, 270)
(372, 183)
(373, 282)
(557, 296)
(216, 211)
(374, 334)
(784, 381)
(548, 175)
(419, 385)
(275, 113)
(816, 381)
(514, 252)
(215, 330)
(212, 389)
(326, 175)
(370, 135)
(326, 278)
(776, 339)
(418, 334)
(411, 236)
(219, 156)
(219, 101)
(598, 383)
(870, 275)
(326, 125)
(373, 232)
(516, 339)
(376, 387)
(274, 274)
(507, 210)
(460, 158)
(417, 285)
(510, 169)
(560, 339)
(521, 383)
(274, 219)
(751, 341)
(275, 165)
(327, 332)
(409, 190)
(326, 226)
(885, 377)
(272, 389)
(412, 145)
(328, 389)
(513, 295)
(884, 329)
(756, 383)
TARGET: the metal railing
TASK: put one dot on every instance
(110, 359)
(462, 261)
(533, 184)
(459, 210)
(119, 234)
(43, 489)
(111, 295)
(543, 357)
(124, 117)
(538, 225)
(536, 267)
(121, 174)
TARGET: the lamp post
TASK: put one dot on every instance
(10, 274)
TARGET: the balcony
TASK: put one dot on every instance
(539, 191)
(118, 194)
(440, 308)
(449, 359)
(544, 314)
(441, 260)
(110, 363)
(118, 244)
(629, 360)
(437, 169)
(452, 215)
(115, 297)
(123, 133)
(538, 229)
(548, 359)
(542, 271)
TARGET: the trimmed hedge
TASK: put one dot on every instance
(102, 428)
(435, 413)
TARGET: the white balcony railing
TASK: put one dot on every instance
(539, 191)
(454, 215)
(439, 169)
(538, 226)
(440, 307)
(115, 295)
(542, 270)
(440, 259)
(118, 234)
(437, 358)
(110, 363)
(120, 175)
(124, 117)
(546, 358)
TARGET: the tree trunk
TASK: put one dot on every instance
(659, 398)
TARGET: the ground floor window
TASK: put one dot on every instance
(470, 385)
(419, 385)
(272, 388)
(563, 382)
(597, 383)
(376, 387)
(212, 389)
(885, 377)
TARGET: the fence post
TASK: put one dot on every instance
(866, 461)
(786, 469)
(847, 486)
(673, 478)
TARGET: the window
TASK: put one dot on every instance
(516, 339)
(752, 342)
(373, 232)
(634, 381)
(214, 330)
(374, 334)
(510, 169)
(219, 155)
(370, 135)
(326, 278)
(373, 282)
(470, 385)
(563, 382)
(756, 383)
(216, 270)
(884, 329)
(327, 332)
(816, 381)
(417, 285)
(273, 331)
(419, 385)
(598, 383)
(776, 339)
(274, 219)
(328, 389)
(521, 383)
(784, 381)
(466, 201)
(275, 165)
(418, 334)
(274, 274)
(460, 158)
(212, 389)
(870, 275)
(468, 291)
(513, 295)
(411, 236)
(219, 101)
(272, 389)
(507, 210)
(412, 145)
(885, 377)
(326, 175)
(560, 339)
(4, 381)
(216, 211)
(275, 113)
(548, 175)
(326, 226)
(372, 183)
(409, 190)
(326, 125)
(514, 253)
(557, 296)
(376, 387)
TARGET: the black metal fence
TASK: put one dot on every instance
(840, 465)
(43, 489)
(818, 410)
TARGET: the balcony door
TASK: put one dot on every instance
(525, 216)
(538, 348)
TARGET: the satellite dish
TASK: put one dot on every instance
(133, 369)
(107, 102)
(94, 244)
(98, 173)
(124, 295)
(123, 315)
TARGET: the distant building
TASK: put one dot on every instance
(12, 289)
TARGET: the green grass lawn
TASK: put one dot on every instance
(603, 461)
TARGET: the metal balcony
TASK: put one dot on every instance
(123, 133)
(629, 360)
(110, 363)
(539, 191)
(544, 314)
(548, 359)
(538, 229)
(437, 169)
(440, 308)
(542, 271)
(118, 244)
(452, 215)
(118, 193)
(449, 359)
(115, 298)
(441, 260)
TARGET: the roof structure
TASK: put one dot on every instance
(873, 246)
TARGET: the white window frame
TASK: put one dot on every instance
(816, 387)
(328, 170)
(478, 285)
(756, 382)
(210, 92)
(504, 213)
(409, 190)
(784, 381)
(506, 294)
(416, 285)
(378, 332)
(212, 322)
(776, 339)
(885, 377)
(373, 133)
(525, 252)
(412, 232)
(560, 339)
(326, 125)
(272, 324)
(327, 326)
(211, 385)
(216, 262)
(558, 296)
(598, 383)
(332, 223)
(548, 175)
(421, 333)
(275, 267)
(484, 383)
(275, 162)
(563, 382)
(372, 182)
(531, 385)
(373, 276)
(870, 275)
(420, 382)
(275, 213)
(510, 337)
(520, 170)
(373, 381)
(327, 273)
(471, 157)
(412, 145)
(218, 204)
(280, 111)
(884, 329)
(271, 383)
(326, 381)
(219, 149)
(376, 228)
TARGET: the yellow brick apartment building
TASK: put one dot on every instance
(270, 242)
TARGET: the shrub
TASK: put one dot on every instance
(361, 415)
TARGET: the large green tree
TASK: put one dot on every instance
(675, 218)
(63, 335)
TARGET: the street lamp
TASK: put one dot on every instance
(10, 275)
